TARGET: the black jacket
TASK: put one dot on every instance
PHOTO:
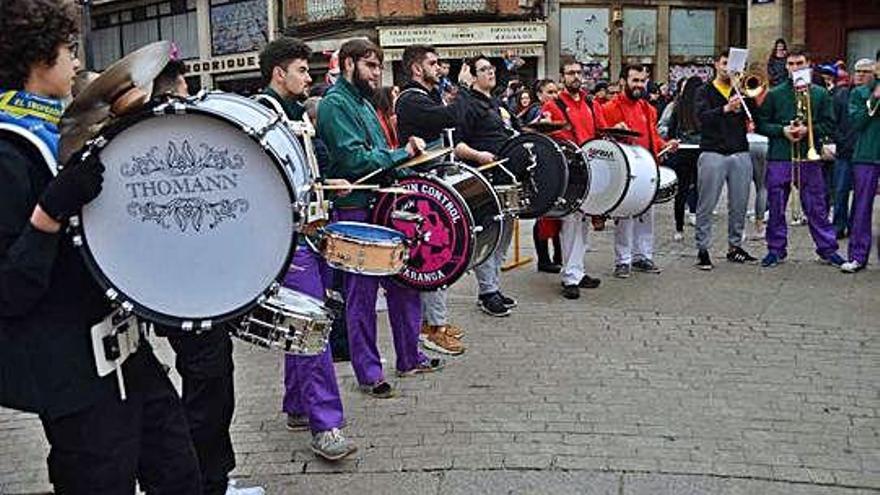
(421, 113)
(48, 301)
(845, 136)
(481, 125)
(721, 132)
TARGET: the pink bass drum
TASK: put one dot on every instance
(451, 219)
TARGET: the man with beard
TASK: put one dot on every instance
(724, 158)
(630, 110)
(311, 392)
(777, 119)
(348, 125)
(485, 125)
(421, 112)
(582, 117)
(99, 443)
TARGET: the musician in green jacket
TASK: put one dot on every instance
(785, 118)
(864, 102)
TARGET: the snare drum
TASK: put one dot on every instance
(668, 185)
(624, 179)
(200, 201)
(540, 167)
(287, 321)
(452, 220)
(363, 248)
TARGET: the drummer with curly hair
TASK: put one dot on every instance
(99, 442)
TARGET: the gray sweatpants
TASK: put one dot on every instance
(434, 308)
(713, 170)
(489, 272)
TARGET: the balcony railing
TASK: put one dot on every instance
(460, 6)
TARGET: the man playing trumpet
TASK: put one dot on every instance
(795, 117)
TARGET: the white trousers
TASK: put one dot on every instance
(575, 239)
(634, 238)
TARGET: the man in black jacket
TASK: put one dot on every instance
(99, 443)
(724, 159)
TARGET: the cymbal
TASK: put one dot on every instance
(425, 156)
(619, 132)
(545, 126)
(130, 77)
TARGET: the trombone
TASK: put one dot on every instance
(803, 114)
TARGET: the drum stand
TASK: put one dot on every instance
(517, 261)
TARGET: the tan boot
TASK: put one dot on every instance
(437, 339)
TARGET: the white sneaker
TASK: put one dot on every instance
(851, 267)
(233, 490)
(692, 219)
(678, 237)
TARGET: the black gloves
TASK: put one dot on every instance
(78, 183)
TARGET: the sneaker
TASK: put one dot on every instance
(429, 366)
(646, 266)
(297, 422)
(622, 270)
(703, 260)
(571, 291)
(232, 489)
(740, 255)
(692, 219)
(588, 282)
(379, 390)
(493, 305)
(760, 233)
(549, 267)
(834, 260)
(509, 302)
(332, 445)
(852, 267)
(771, 260)
(454, 331)
(678, 236)
(438, 339)
(797, 221)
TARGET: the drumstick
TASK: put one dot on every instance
(370, 175)
(665, 150)
(492, 164)
(340, 187)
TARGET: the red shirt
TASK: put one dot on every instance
(582, 122)
(639, 116)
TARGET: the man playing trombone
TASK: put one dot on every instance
(795, 116)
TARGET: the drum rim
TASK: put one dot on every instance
(541, 137)
(500, 210)
(270, 305)
(577, 149)
(400, 241)
(656, 190)
(120, 297)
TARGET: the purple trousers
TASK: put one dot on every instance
(310, 387)
(865, 176)
(812, 195)
(404, 313)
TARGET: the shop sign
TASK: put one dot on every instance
(464, 34)
(221, 65)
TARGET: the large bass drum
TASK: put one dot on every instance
(452, 219)
(200, 202)
(624, 179)
(578, 181)
(540, 168)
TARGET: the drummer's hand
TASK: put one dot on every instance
(673, 145)
(621, 125)
(484, 157)
(339, 183)
(78, 183)
(415, 146)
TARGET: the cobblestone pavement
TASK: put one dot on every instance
(736, 381)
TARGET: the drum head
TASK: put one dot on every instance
(609, 176)
(441, 237)
(291, 302)
(546, 181)
(194, 221)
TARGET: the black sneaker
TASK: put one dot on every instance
(646, 266)
(739, 255)
(571, 291)
(549, 267)
(509, 302)
(380, 390)
(493, 305)
(589, 282)
(703, 260)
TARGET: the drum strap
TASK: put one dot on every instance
(564, 108)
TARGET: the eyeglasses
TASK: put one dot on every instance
(486, 68)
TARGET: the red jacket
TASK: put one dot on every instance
(639, 116)
(582, 122)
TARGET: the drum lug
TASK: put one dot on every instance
(476, 229)
(111, 294)
(187, 326)
(77, 240)
(74, 221)
(127, 307)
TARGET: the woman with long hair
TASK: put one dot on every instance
(685, 126)
(777, 73)
(384, 99)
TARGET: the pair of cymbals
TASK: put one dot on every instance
(125, 85)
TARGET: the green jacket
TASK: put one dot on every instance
(348, 125)
(867, 128)
(778, 111)
(293, 110)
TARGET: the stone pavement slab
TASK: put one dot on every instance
(740, 380)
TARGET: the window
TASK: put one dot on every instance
(692, 32)
(240, 26)
(585, 32)
(639, 32)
